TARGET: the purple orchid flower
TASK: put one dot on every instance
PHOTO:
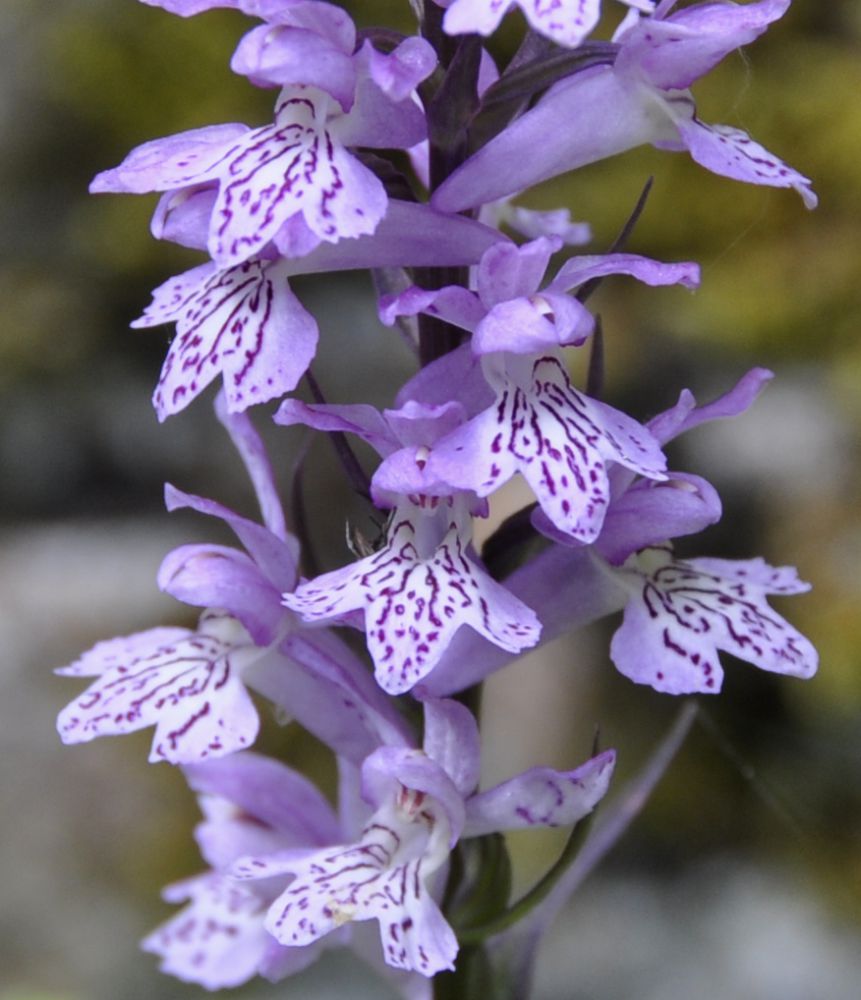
(642, 98)
(573, 585)
(423, 584)
(266, 177)
(314, 44)
(424, 802)
(293, 179)
(679, 613)
(314, 51)
(537, 423)
(186, 683)
(415, 593)
(192, 685)
(243, 323)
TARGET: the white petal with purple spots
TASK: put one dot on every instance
(733, 153)
(557, 438)
(243, 323)
(382, 877)
(567, 22)
(294, 165)
(218, 941)
(415, 598)
(681, 613)
(187, 687)
(541, 796)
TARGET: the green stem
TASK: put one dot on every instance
(539, 892)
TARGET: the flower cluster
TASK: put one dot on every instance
(495, 303)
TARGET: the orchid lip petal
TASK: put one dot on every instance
(682, 612)
(242, 322)
(566, 22)
(557, 438)
(189, 689)
(416, 593)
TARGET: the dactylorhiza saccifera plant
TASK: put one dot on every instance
(493, 301)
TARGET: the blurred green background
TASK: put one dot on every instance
(741, 878)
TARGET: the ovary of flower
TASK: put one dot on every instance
(416, 592)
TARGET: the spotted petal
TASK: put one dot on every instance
(188, 688)
(187, 158)
(731, 152)
(558, 439)
(219, 940)
(682, 613)
(110, 653)
(541, 797)
(243, 323)
(413, 606)
(292, 166)
(365, 882)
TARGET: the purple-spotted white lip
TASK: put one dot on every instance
(424, 801)
(265, 176)
(558, 439)
(416, 592)
(218, 940)
(295, 165)
(243, 323)
(188, 687)
(682, 612)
